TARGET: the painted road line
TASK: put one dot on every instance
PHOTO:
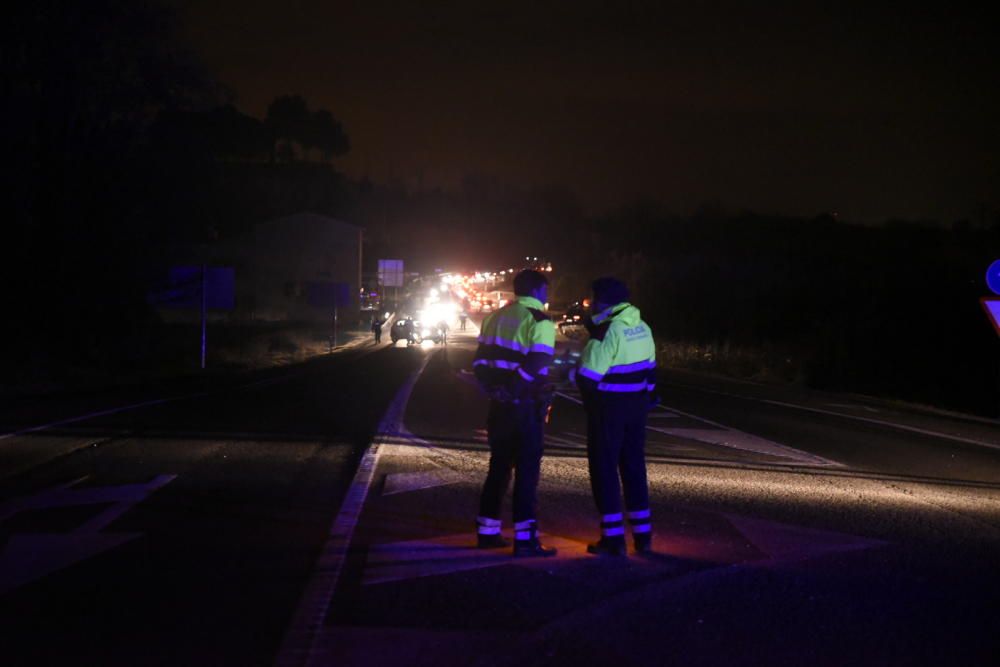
(849, 406)
(102, 413)
(663, 414)
(725, 436)
(354, 345)
(303, 643)
(869, 420)
(561, 439)
(412, 559)
(27, 557)
(402, 482)
(257, 384)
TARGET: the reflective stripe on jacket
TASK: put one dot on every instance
(507, 338)
(620, 355)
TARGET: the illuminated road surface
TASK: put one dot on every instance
(789, 529)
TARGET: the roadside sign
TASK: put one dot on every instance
(991, 304)
(993, 277)
(185, 284)
(390, 272)
(201, 288)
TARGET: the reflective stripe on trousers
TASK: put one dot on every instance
(525, 530)
(612, 525)
(487, 526)
(639, 521)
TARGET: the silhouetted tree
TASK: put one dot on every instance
(288, 119)
(222, 132)
(327, 135)
(291, 123)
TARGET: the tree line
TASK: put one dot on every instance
(126, 154)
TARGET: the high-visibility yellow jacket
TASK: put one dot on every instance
(620, 356)
(516, 344)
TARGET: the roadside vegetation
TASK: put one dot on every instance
(110, 189)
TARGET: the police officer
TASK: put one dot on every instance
(516, 344)
(617, 379)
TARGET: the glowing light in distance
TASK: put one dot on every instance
(439, 312)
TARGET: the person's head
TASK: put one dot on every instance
(531, 283)
(608, 291)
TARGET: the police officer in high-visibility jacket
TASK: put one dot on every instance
(516, 344)
(617, 379)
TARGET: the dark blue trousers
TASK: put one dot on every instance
(616, 442)
(515, 437)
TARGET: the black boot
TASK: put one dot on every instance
(491, 542)
(643, 543)
(488, 533)
(608, 546)
(532, 547)
(526, 542)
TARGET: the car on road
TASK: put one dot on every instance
(405, 329)
(437, 334)
(573, 322)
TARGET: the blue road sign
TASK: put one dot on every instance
(183, 290)
(993, 277)
(992, 308)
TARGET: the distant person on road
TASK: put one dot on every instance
(516, 344)
(462, 317)
(411, 332)
(377, 328)
(617, 379)
(443, 330)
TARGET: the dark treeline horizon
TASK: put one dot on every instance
(128, 157)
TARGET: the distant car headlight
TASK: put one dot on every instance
(425, 332)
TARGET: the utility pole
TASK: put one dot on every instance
(204, 311)
(361, 287)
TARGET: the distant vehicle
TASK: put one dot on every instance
(571, 324)
(405, 329)
(436, 334)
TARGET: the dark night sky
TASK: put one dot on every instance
(800, 108)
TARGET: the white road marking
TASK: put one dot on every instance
(869, 420)
(303, 644)
(725, 436)
(29, 557)
(102, 413)
(160, 401)
(398, 561)
(402, 482)
(663, 414)
(412, 559)
(562, 440)
(729, 437)
(849, 406)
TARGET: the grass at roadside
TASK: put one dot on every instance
(172, 352)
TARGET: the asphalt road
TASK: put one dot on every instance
(323, 514)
